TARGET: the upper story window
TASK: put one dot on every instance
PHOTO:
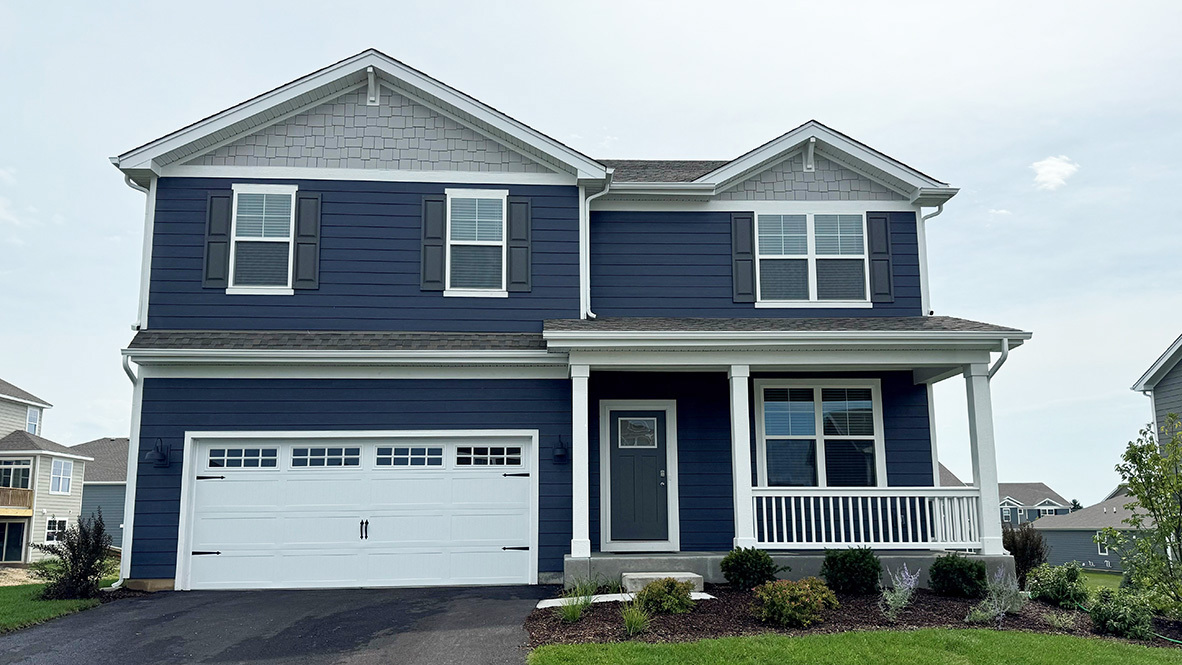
(806, 259)
(262, 246)
(476, 242)
(60, 476)
(32, 420)
(15, 473)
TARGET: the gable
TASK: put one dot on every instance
(397, 134)
(788, 181)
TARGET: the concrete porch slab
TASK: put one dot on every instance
(636, 581)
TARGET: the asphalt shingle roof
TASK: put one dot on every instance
(947, 478)
(827, 324)
(110, 459)
(21, 440)
(9, 390)
(335, 341)
(1030, 494)
(661, 170)
(1107, 513)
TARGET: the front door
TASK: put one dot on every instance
(639, 477)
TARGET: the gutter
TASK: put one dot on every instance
(1005, 353)
(129, 488)
(585, 245)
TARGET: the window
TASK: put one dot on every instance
(808, 259)
(1101, 548)
(243, 458)
(261, 252)
(302, 457)
(54, 530)
(1005, 514)
(32, 419)
(409, 456)
(638, 432)
(59, 479)
(15, 473)
(488, 456)
(1046, 511)
(821, 435)
(476, 242)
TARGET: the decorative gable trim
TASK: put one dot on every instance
(1160, 367)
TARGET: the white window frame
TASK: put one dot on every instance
(1101, 548)
(503, 291)
(1043, 512)
(54, 532)
(1005, 515)
(66, 476)
(23, 463)
(250, 188)
(817, 385)
(33, 417)
(811, 257)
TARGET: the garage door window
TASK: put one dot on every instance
(488, 456)
(409, 456)
(243, 458)
(321, 457)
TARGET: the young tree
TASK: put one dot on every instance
(1076, 505)
(1028, 548)
(1152, 547)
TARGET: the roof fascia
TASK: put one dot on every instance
(299, 356)
(681, 339)
(1160, 368)
(49, 453)
(13, 398)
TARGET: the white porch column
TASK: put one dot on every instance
(980, 405)
(740, 376)
(580, 544)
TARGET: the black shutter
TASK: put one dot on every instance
(518, 238)
(307, 242)
(878, 231)
(743, 255)
(434, 227)
(216, 271)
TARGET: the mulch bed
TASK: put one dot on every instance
(731, 615)
(111, 595)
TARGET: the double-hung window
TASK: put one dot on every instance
(820, 434)
(476, 242)
(1005, 515)
(60, 476)
(1101, 546)
(261, 252)
(812, 260)
(32, 419)
(15, 473)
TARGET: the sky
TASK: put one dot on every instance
(1059, 121)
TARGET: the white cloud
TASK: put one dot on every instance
(999, 211)
(1053, 172)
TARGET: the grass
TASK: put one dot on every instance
(20, 606)
(920, 647)
(1097, 580)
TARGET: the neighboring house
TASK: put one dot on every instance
(1071, 536)
(1026, 502)
(40, 493)
(1162, 383)
(20, 410)
(391, 336)
(105, 484)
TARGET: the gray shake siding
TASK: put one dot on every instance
(1167, 395)
(108, 498)
(789, 182)
(1066, 546)
(398, 134)
(13, 417)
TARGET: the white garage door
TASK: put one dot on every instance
(406, 511)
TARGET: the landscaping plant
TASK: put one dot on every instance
(636, 619)
(1060, 620)
(1122, 612)
(1027, 546)
(576, 600)
(856, 570)
(958, 576)
(666, 596)
(748, 567)
(1002, 597)
(1058, 585)
(79, 559)
(896, 598)
(794, 604)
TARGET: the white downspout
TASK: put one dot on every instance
(132, 472)
(585, 245)
(925, 296)
(1005, 353)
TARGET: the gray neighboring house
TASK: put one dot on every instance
(1071, 536)
(1162, 383)
(1027, 502)
(105, 484)
(40, 493)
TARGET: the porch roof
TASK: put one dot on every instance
(817, 324)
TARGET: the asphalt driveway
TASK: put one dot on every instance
(349, 626)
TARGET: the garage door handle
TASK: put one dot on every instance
(211, 477)
(366, 529)
(515, 548)
(361, 529)
(515, 475)
(203, 553)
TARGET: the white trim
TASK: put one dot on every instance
(819, 437)
(613, 204)
(259, 290)
(739, 387)
(485, 178)
(190, 466)
(580, 543)
(410, 358)
(1006, 514)
(49, 453)
(1101, 548)
(103, 482)
(133, 446)
(22, 400)
(813, 304)
(558, 370)
(29, 411)
(476, 293)
(925, 295)
(931, 392)
(503, 243)
(918, 338)
(141, 321)
(673, 542)
(252, 188)
(1160, 367)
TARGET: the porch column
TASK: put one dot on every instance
(740, 376)
(580, 544)
(980, 404)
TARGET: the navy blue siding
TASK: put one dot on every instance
(679, 264)
(369, 265)
(173, 406)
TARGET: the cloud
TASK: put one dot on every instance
(1052, 173)
(999, 211)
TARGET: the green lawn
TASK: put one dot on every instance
(20, 607)
(1097, 580)
(921, 647)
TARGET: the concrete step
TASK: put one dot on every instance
(634, 582)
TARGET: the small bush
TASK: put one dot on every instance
(852, 571)
(958, 576)
(1028, 547)
(794, 604)
(636, 619)
(1058, 585)
(79, 559)
(1060, 620)
(1123, 613)
(1002, 597)
(666, 596)
(576, 600)
(747, 567)
(895, 599)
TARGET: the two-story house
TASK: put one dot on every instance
(1026, 502)
(389, 335)
(1162, 383)
(40, 481)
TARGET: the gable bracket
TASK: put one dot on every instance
(810, 164)
(373, 94)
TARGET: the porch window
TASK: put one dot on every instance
(476, 242)
(812, 258)
(15, 473)
(819, 435)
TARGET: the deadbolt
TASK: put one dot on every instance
(662, 473)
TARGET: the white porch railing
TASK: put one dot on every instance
(794, 518)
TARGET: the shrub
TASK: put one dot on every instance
(1028, 547)
(1060, 620)
(79, 559)
(959, 576)
(747, 567)
(794, 604)
(576, 600)
(1002, 597)
(636, 619)
(895, 599)
(852, 571)
(1123, 613)
(666, 596)
(1058, 585)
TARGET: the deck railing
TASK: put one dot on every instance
(889, 518)
(14, 497)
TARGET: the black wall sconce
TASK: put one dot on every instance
(160, 455)
(561, 453)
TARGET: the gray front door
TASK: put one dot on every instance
(639, 479)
